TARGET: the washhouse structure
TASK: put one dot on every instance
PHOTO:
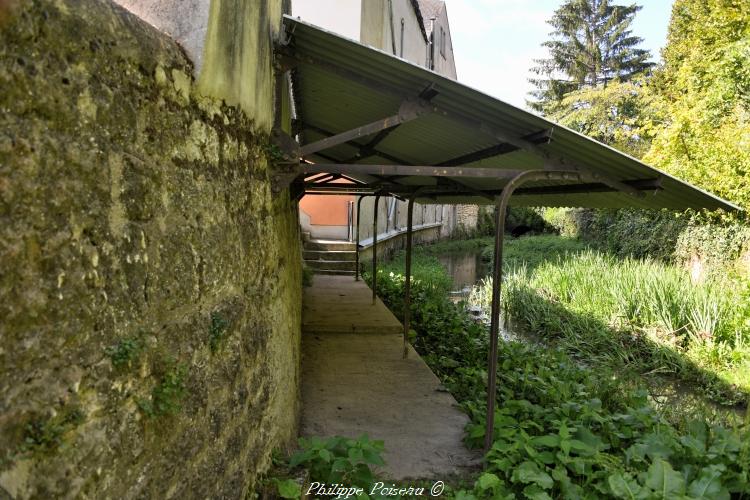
(418, 32)
(456, 145)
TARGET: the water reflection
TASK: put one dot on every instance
(465, 269)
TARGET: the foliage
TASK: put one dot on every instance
(217, 330)
(168, 392)
(125, 352)
(633, 314)
(307, 276)
(288, 488)
(616, 114)
(721, 246)
(566, 430)
(592, 45)
(623, 232)
(339, 460)
(702, 98)
(486, 221)
(691, 117)
(442, 247)
(526, 216)
(46, 434)
(532, 251)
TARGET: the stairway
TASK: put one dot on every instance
(330, 256)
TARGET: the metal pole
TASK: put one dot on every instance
(356, 247)
(407, 270)
(501, 206)
(497, 276)
(375, 250)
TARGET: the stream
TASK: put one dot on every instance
(466, 269)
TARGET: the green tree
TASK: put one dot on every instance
(617, 115)
(592, 45)
(701, 102)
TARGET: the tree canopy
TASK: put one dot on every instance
(691, 115)
(701, 98)
(592, 45)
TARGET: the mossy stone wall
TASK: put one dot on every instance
(150, 284)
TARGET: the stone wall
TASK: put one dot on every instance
(467, 216)
(150, 284)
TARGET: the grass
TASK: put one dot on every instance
(641, 315)
(638, 315)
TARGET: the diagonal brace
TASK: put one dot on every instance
(409, 110)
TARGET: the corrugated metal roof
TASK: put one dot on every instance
(341, 84)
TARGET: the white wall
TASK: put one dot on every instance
(340, 16)
(186, 21)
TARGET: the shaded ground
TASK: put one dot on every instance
(360, 383)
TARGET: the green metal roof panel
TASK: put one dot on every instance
(340, 84)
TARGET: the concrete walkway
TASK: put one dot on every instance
(355, 381)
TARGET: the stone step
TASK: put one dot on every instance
(330, 255)
(330, 272)
(330, 265)
(325, 245)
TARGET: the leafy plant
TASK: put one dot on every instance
(567, 425)
(339, 459)
(168, 392)
(217, 330)
(288, 488)
(46, 434)
(125, 352)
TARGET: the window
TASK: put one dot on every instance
(441, 41)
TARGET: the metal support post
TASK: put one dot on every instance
(407, 270)
(375, 250)
(501, 204)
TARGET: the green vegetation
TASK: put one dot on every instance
(307, 276)
(217, 331)
(700, 98)
(639, 315)
(593, 45)
(336, 463)
(339, 460)
(45, 435)
(534, 250)
(168, 392)
(566, 427)
(125, 352)
(689, 118)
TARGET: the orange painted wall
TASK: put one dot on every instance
(326, 210)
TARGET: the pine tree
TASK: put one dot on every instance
(592, 45)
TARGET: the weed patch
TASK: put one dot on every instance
(125, 352)
(45, 435)
(217, 331)
(168, 392)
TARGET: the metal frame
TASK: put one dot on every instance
(356, 247)
(375, 250)
(407, 271)
(450, 178)
(409, 110)
(501, 204)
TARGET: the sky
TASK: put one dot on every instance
(495, 42)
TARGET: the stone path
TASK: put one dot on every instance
(355, 381)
